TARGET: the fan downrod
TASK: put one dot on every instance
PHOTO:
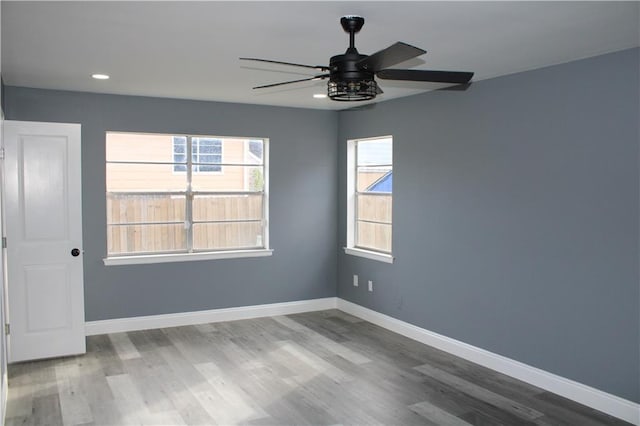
(352, 24)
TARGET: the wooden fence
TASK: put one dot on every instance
(370, 210)
(156, 223)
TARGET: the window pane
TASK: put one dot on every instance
(374, 179)
(202, 146)
(206, 169)
(179, 145)
(207, 146)
(230, 178)
(256, 148)
(374, 236)
(134, 208)
(375, 208)
(227, 207)
(234, 235)
(180, 153)
(374, 151)
(239, 151)
(208, 159)
(139, 147)
(144, 177)
(255, 178)
(207, 163)
(127, 239)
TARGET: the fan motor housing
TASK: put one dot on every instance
(347, 82)
(344, 68)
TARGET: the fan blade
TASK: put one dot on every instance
(457, 87)
(317, 77)
(424, 75)
(315, 67)
(390, 56)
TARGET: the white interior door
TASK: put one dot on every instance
(44, 235)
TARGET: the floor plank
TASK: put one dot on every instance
(481, 393)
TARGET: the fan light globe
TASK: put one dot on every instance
(350, 91)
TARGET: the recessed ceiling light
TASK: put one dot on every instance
(100, 76)
(319, 95)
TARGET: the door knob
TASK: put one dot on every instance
(75, 252)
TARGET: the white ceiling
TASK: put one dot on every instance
(190, 49)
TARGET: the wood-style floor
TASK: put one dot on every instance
(321, 368)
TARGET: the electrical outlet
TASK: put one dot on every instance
(370, 285)
(355, 280)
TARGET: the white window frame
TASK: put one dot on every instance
(190, 254)
(352, 166)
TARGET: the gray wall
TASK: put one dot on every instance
(516, 218)
(303, 177)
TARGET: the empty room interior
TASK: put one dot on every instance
(320, 213)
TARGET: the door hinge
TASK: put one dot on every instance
(4, 242)
(7, 329)
(1, 153)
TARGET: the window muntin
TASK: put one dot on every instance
(370, 226)
(151, 209)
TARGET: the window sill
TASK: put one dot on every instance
(184, 257)
(373, 255)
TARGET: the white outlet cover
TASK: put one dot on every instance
(355, 281)
(370, 285)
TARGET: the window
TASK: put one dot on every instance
(370, 195)
(168, 198)
(206, 154)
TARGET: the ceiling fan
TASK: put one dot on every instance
(351, 75)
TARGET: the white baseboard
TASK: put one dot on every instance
(586, 395)
(201, 317)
